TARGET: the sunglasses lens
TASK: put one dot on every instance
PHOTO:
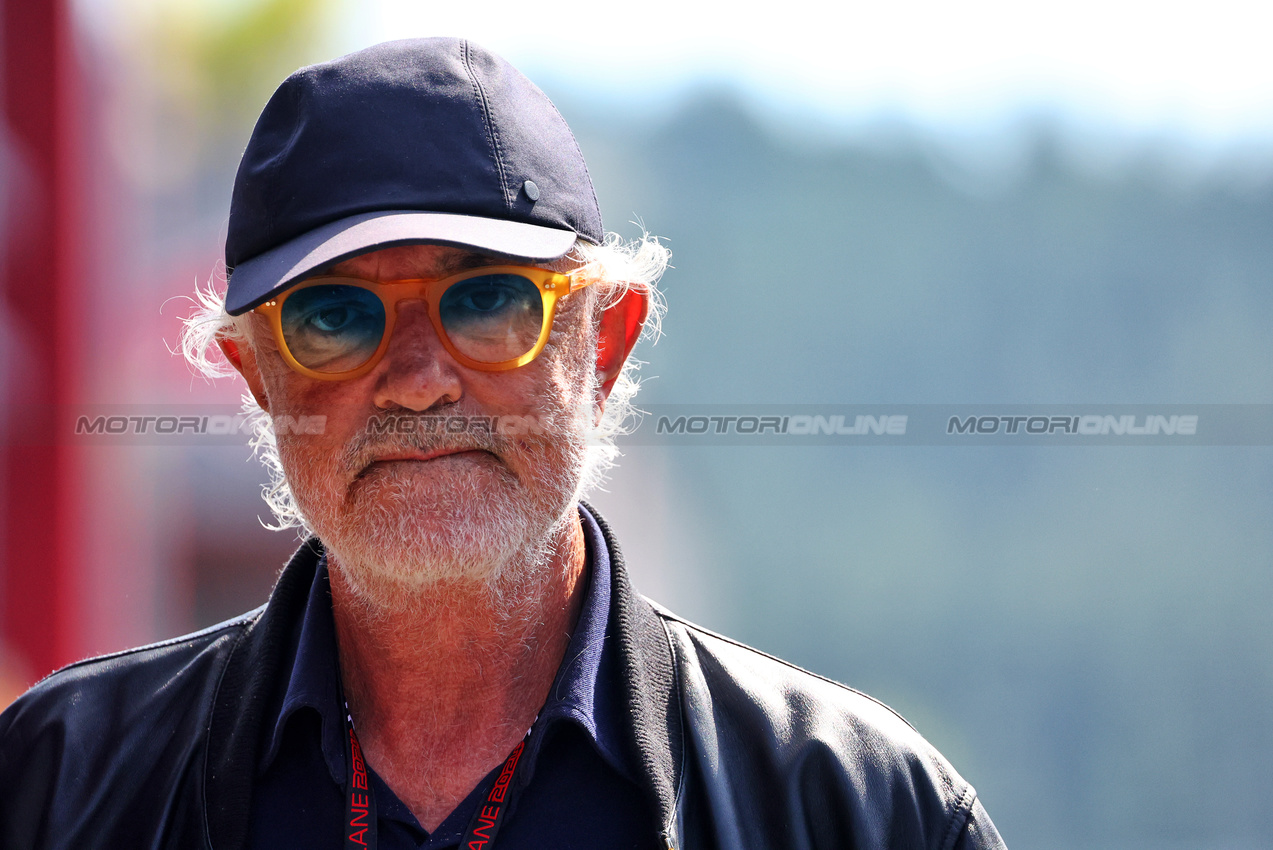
(332, 327)
(492, 318)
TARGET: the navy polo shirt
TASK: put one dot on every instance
(576, 783)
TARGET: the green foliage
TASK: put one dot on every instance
(218, 63)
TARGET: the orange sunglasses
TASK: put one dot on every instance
(490, 318)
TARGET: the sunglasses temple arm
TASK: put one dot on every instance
(578, 282)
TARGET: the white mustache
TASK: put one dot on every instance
(369, 445)
(428, 433)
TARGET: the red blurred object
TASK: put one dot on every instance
(42, 284)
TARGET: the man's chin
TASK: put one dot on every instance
(414, 569)
(399, 543)
(409, 571)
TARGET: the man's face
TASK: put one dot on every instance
(405, 485)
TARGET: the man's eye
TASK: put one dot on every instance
(332, 319)
(484, 299)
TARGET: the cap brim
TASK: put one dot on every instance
(256, 280)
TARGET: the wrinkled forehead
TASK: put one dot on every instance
(413, 261)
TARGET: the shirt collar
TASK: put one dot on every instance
(583, 692)
(314, 679)
(584, 689)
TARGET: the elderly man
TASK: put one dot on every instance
(454, 657)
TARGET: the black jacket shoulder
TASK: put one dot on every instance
(842, 769)
(62, 780)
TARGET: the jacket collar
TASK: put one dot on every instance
(649, 676)
(248, 694)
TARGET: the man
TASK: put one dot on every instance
(418, 271)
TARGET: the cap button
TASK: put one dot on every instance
(531, 190)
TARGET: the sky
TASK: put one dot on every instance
(1123, 66)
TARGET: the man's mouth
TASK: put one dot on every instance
(421, 457)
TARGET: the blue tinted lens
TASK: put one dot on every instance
(492, 318)
(332, 327)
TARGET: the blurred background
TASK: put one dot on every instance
(912, 203)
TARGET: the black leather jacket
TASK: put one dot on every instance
(157, 747)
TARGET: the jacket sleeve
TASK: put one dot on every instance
(979, 833)
(108, 752)
(777, 757)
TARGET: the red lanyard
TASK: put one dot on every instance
(360, 802)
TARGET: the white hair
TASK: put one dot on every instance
(617, 264)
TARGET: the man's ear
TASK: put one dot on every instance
(243, 359)
(620, 327)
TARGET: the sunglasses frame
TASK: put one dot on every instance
(552, 286)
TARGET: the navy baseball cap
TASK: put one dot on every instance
(422, 141)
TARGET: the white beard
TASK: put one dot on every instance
(397, 531)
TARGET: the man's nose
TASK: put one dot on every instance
(417, 371)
